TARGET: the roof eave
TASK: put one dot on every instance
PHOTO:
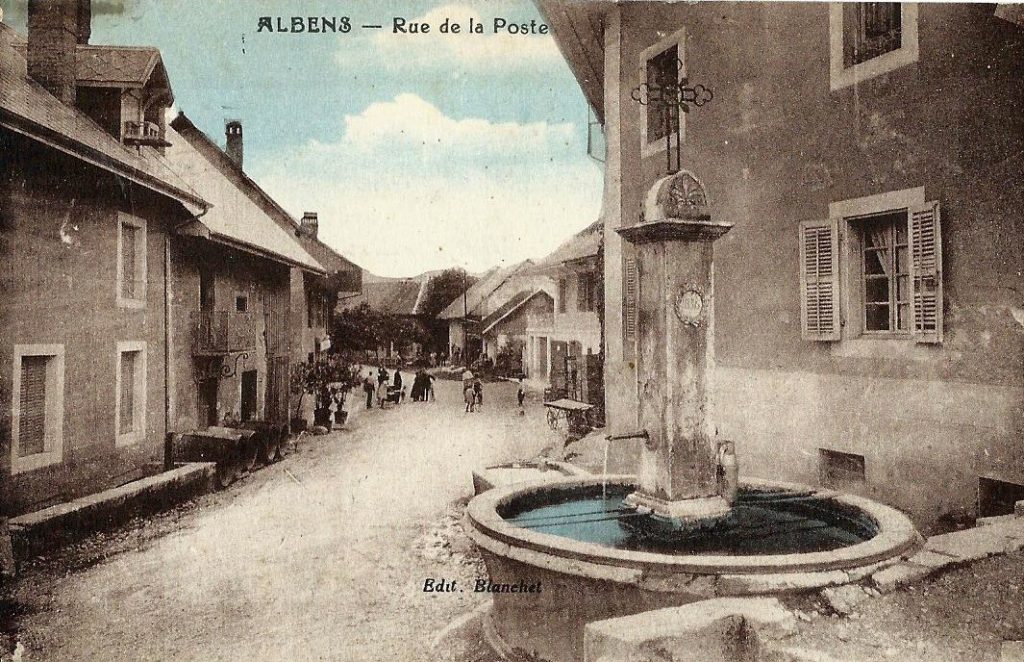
(76, 149)
(571, 25)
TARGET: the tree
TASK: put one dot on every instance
(357, 329)
(442, 289)
(363, 329)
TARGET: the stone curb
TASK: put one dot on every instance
(995, 537)
(35, 532)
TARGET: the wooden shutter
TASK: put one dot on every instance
(32, 416)
(629, 312)
(926, 272)
(127, 413)
(819, 280)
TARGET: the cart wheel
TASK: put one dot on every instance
(227, 472)
(247, 453)
(553, 419)
(270, 447)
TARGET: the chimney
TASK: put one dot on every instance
(55, 28)
(309, 224)
(234, 150)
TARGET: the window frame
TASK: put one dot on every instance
(893, 303)
(141, 261)
(138, 432)
(241, 296)
(677, 39)
(846, 213)
(841, 76)
(53, 441)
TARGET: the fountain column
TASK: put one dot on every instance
(674, 249)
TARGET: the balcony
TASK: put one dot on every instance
(144, 133)
(219, 332)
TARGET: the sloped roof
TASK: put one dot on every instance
(584, 244)
(396, 297)
(476, 296)
(330, 259)
(234, 217)
(29, 109)
(130, 66)
(509, 307)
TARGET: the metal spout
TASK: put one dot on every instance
(628, 435)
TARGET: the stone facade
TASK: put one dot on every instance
(789, 138)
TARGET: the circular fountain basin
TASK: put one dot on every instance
(568, 552)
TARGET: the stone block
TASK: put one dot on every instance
(931, 560)
(843, 599)
(971, 544)
(899, 575)
(719, 630)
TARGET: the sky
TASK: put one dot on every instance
(418, 151)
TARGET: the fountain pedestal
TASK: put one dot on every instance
(674, 250)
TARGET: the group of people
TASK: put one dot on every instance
(422, 387)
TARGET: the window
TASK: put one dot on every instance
(130, 397)
(885, 273)
(131, 261)
(890, 260)
(870, 29)
(868, 39)
(563, 293)
(664, 69)
(585, 292)
(241, 303)
(37, 426)
(839, 470)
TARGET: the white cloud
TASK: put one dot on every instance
(465, 50)
(410, 123)
(491, 192)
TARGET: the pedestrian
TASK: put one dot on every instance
(521, 397)
(368, 389)
(430, 387)
(382, 377)
(478, 392)
(470, 397)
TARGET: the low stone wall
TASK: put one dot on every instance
(44, 529)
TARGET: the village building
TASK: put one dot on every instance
(464, 315)
(147, 287)
(241, 287)
(869, 322)
(562, 348)
(504, 331)
(86, 219)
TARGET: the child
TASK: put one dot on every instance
(470, 397)
(521, 397)
(478, 392)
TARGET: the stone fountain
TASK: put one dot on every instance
(684, 528)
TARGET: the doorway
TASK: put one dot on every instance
(248, 406)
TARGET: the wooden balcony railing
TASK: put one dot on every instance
(216, 332)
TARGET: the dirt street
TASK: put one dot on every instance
(320, 557)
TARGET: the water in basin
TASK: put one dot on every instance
(760, 523)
